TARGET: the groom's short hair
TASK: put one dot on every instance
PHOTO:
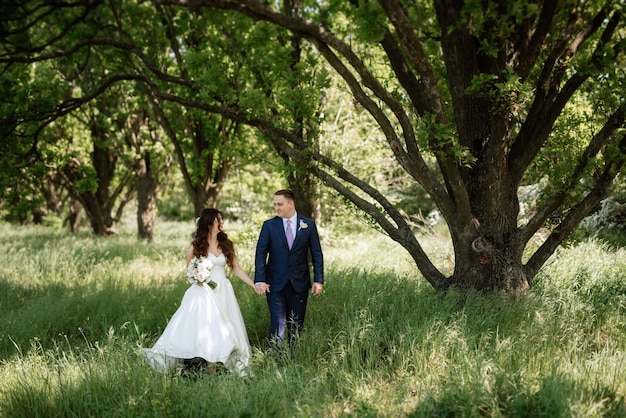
(287, 193)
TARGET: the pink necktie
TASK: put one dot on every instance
(289, 234)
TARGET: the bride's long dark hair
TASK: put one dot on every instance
(200, 241)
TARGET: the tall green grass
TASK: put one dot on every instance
(379, 342)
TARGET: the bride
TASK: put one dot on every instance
(208, 324)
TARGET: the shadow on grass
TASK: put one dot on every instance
(78, 313)
(554, 396)
(368, 327)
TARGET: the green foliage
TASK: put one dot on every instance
(494, 23)
(173, 204)
(505, 92)
(379, 342)
(438, 137)
(371, 21)
(560, 156)
(20, 201)
(232, 62)
(88, 181)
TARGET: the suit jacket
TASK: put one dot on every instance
(275, 264)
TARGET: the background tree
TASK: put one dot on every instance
(26, 184)
(149, 157)
(203, 143)
(96, 174)
(94, 52)
(29, 46)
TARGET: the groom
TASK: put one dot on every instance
(282, 264)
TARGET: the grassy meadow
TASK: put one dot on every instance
(379, 342)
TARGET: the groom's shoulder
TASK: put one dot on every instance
(272, 220)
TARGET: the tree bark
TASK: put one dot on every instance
(99, 202)
(73, 217)
(146, 187)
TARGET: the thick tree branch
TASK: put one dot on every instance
(415, 52)
(24, 51)
(578, 212)
(413, 163)
(399, 230)
(600, 140)
(414, 88)
(551, 98)
(417, 56)
(528, 50)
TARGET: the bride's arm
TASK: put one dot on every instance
(238, 271)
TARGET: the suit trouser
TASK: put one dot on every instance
(287, 308)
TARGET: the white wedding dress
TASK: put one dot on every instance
(207, 324)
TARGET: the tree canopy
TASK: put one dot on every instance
(474, 99)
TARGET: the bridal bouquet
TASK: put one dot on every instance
(199, 272)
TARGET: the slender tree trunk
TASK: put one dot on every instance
(73, 218)
(53, 202)
(146, 187)
(38, 215)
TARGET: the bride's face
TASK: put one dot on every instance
(218, 222)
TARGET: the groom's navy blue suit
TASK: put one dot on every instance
(287, 271)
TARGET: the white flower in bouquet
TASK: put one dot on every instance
(199, 272)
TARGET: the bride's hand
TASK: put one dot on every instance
(261, 288)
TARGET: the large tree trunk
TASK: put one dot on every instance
(487, 267)
(303, 188)
(50, 192)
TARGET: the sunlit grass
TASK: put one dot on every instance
(379, 342)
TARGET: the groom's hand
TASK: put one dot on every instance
(261, 288)
(317, 289)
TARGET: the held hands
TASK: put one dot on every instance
(261, 288)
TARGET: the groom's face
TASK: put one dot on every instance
(285, 208)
